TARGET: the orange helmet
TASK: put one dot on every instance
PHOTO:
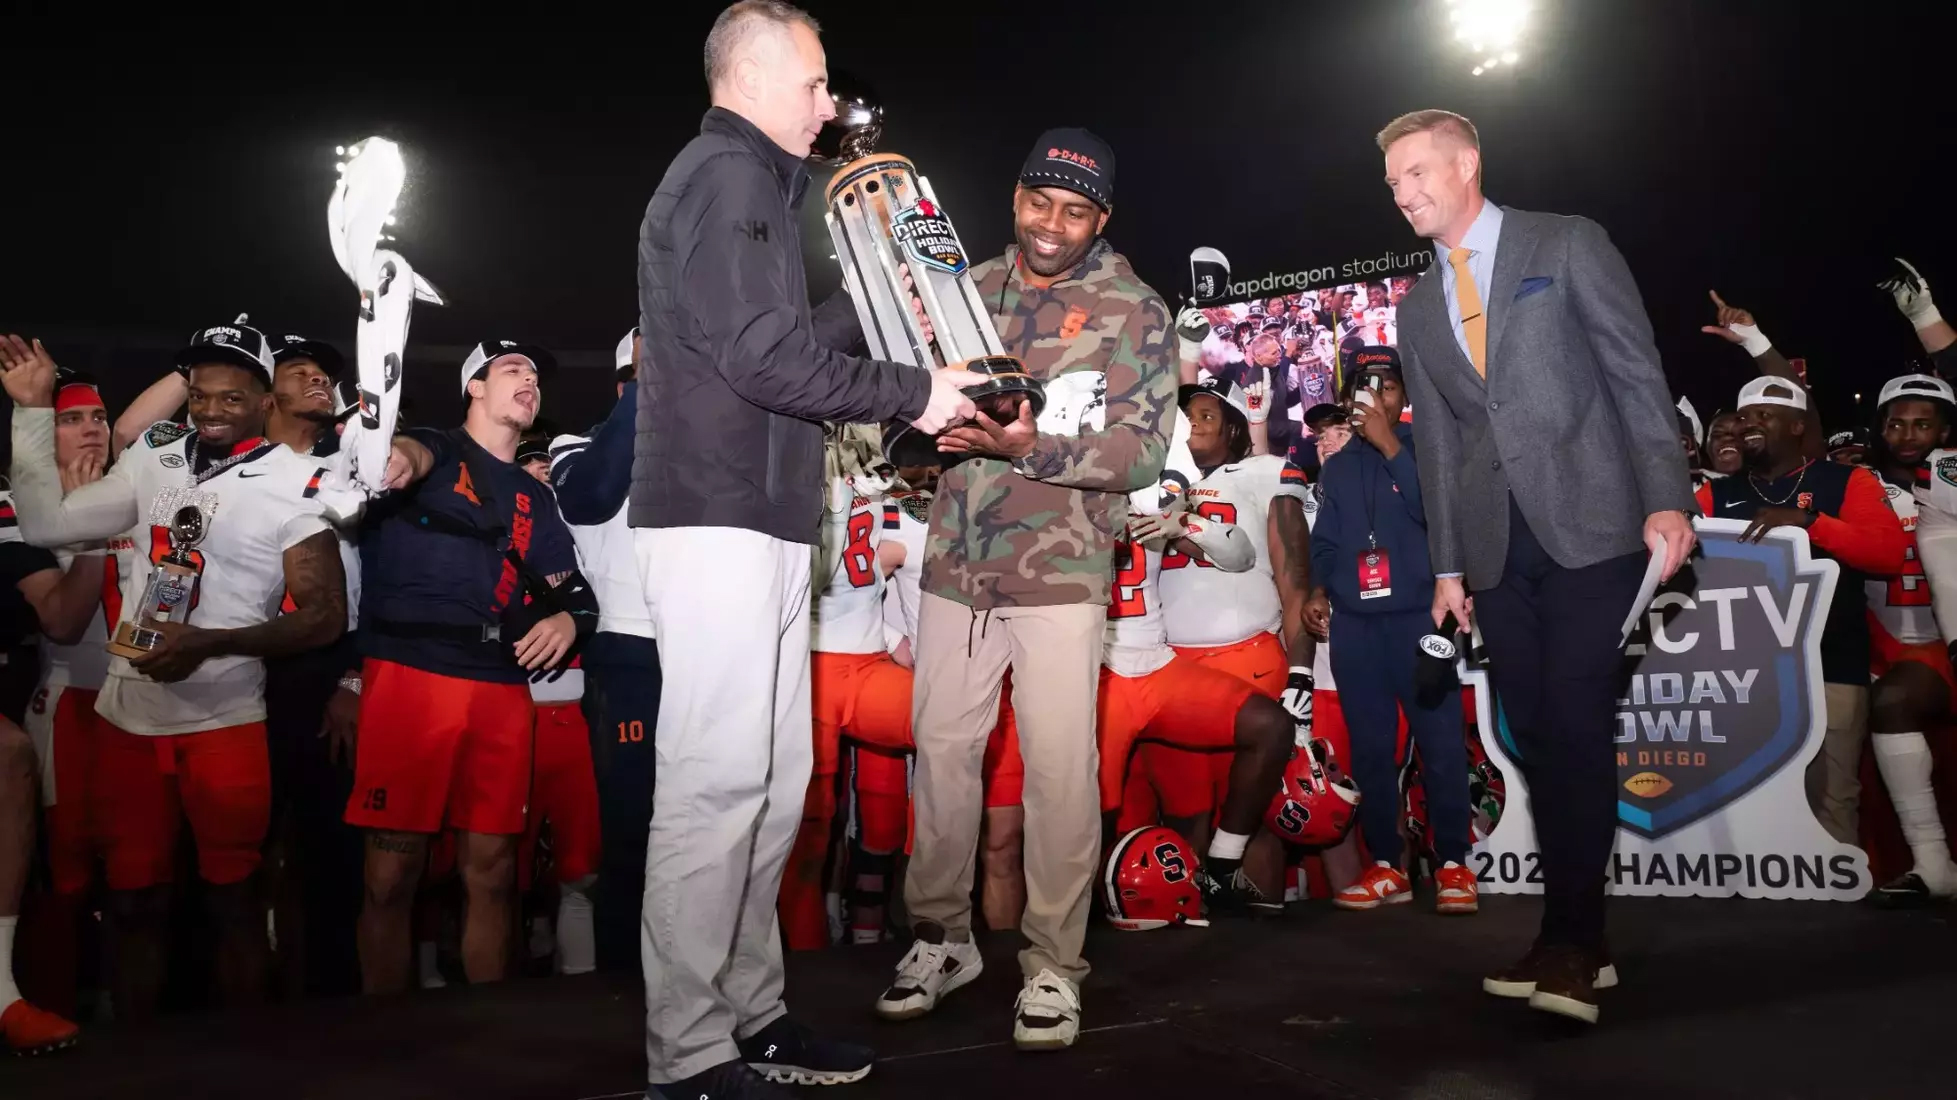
(1316, 803)
(1151, 881)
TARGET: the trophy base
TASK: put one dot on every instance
(131, 642)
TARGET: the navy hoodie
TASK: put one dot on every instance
(1395, 520)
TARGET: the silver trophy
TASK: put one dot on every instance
(885, 220)
(171, 591)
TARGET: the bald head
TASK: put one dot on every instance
(765, 63)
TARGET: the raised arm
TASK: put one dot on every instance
(159, 402)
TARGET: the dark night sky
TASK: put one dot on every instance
(160, 183)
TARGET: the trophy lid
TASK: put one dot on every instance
(858, 124)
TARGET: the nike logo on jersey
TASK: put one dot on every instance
(253, 473)
(1732, 504)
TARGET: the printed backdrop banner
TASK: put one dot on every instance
(1721, 711)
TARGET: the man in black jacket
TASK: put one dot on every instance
(726, 498)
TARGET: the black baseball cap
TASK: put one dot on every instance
(237, 343)
(1853, 437)
(1075, 159)
(291, 346)
(532, 447)
(1319, 416)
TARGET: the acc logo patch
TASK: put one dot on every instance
(917, 506)
(1947, 469)
(163, 433)
(174, 462)
(1647, 784)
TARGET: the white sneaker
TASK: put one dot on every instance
(928, 972)
(1047, 1014)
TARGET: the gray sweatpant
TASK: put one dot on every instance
(734, 753)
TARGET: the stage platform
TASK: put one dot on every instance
(1719, 999)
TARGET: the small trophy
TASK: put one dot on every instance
(882, 214)
(172, 584)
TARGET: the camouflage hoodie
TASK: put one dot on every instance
(1041, 531)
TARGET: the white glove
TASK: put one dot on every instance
(1152, 527)
(1257, 398)
(1912, 295)
(1752, 339)
(1191, 329)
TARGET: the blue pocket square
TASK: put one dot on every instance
(1535, 284)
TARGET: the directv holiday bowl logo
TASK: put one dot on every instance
(1720, 692)
(926, 236)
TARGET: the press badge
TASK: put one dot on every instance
(1375, 574)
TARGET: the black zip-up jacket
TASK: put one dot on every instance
(737, 379)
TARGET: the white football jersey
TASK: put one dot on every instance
(1137, 640)
(264, 507)
(1376, 326)
(1902, 603)
(9, 525)
(1205, 606)
(848, 613)
(85, 664)
(608, 561)
(906, 520)
(1321, 662)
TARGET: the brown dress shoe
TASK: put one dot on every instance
(1518, 980)
(1566, 983)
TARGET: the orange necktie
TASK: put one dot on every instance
(1474, 322)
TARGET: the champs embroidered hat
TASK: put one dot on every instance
(294, 346)
(1075, 159)
(237, 343)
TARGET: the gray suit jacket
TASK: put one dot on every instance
(1575, 418)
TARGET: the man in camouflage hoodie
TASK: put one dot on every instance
(1016, 574)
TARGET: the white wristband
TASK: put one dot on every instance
(1752, 339)
(350, 683)
(1925, 314)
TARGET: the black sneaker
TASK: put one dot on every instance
(1234, 895)
(726, 1081)
(786, 1051)
(1907, 892)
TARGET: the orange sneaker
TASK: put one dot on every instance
(1380, 885)
(1458, 892)
(30, 1030)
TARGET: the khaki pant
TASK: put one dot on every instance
(962, 656)
(1834, 778)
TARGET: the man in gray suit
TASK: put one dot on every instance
(1550, 464)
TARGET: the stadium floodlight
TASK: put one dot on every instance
(1491, 30)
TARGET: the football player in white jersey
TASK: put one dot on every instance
(881, 780)
(620, 663)
(61, 593)
(1149, 692)
(1915, 688)
(856, 689)
(186, 732)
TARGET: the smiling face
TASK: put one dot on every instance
(301, 389)
(1213, 432)
(1723, 454)
(228, 404)
(1771, 435)
(1055, 227)
(1436, 183)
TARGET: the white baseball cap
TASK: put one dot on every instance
(1916, 385)
(489, 351)
(1771, 390)
(1224, 390)
(622, 355)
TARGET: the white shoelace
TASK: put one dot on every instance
(921, 964)
(1050, 994)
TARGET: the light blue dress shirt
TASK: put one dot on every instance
(1480, 241)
